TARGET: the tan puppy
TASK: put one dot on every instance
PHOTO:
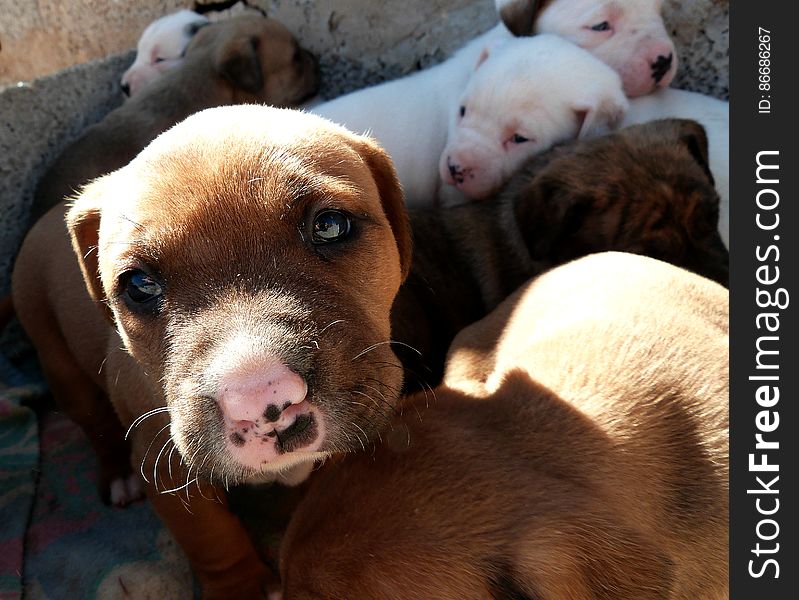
(247, 59)
(247, 259)
(645, 189)
(583, 454)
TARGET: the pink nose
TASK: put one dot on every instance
(262, 394)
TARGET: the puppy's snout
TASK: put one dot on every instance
(661, 66)
(261, 396)
(455, 170)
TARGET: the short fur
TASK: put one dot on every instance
(219, 210)
(644, 189)
(161, 47)
(582, 454)
(714, 115)
(246, 59)
(629, 36)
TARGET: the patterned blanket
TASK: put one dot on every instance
(57, 539)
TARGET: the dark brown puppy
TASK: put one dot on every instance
(646, 189)
(247, 59)
(243, 269)
(586, 457)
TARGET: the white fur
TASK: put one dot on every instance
(544, 90)
(714, 116)
(635, 36)
(161, 47)
(408, 116)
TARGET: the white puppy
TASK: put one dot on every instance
(714, 116)
(525, 95)
(161, 47)
(408, 116)
(628, 35)
(560, 88)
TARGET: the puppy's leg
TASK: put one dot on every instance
(88, 406)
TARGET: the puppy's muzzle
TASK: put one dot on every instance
(661, 66)
(266, 414)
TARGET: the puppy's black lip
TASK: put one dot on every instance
(302, 432)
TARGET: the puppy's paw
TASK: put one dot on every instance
(124, 490)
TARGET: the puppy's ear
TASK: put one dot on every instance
(693, 136)
(237, 61)
(83, 224)
(487, 50)
(391, 196)
(602, 113)
(519, 15)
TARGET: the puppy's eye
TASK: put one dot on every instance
(462, 111)
(519, 139)
(603, 26)
(158, 59)
(140, 289)
(331, 226)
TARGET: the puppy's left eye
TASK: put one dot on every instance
(158, 59)
(519, 139)
(462, 111)
(331, 226)
(603, 26)
(141, 291)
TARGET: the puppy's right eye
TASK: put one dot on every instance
(140, 290)
(331, 226)
(462, 111)
(158, 59)
(603, 26)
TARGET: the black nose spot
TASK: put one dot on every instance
(272, 413)
(455, 171)
(125, 89)
(661, 66)
(237, 439)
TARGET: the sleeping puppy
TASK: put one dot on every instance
(520, 102)
(578, 450)
(644, 189)
(247, 59)
(161, 47)
(531, 71)
(629, 36)
(714, 116)
(242, 270)
(396, 111)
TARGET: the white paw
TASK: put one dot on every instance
(126, 490)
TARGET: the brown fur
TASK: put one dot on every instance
(576, 449)
(247, 59)
(645, 189)
(219, 208)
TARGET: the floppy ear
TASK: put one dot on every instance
(487, 50)
(694, 137)
(83, 224)
(391, 196)
(237, 61)
(601, 113)
(519, 15)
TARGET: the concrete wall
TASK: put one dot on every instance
(360, 42)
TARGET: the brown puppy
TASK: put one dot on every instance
(248, 259)
(585, 457)
(645, 189)
(247, 59)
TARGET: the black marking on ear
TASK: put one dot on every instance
(503, 585)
